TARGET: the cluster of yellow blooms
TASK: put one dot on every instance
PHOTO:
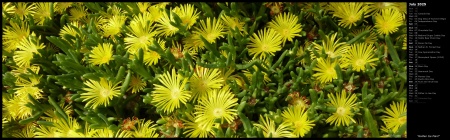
(96, 33)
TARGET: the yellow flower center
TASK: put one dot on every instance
(285, 32)
(143, 39)
(331, 71)
(105, 58)
(352, 18)
(359, 63)
(186, 21)
(218, 112)
(402, 120)
(211, 37)
(331, 54)
(175, 93)
(105, 92)
(298, 124)
(341, 111)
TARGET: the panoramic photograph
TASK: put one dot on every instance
(204, 69)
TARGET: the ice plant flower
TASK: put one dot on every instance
(141, 33)
(287, 26)
(14, 34)
(325, 71)
(26, 132)
(171, 94)
(99, 93)
(108, 133)
(70, 30)
(298, 117)
(266, 42)
(358, 56)
(210, 29)
(232, 23)
(151, 57)
(388, 21)
(78, 13)
(332, 47)
(195, 130)
(376, 7)
(101, 54)
(145, 129)
(27, 48)
(43, 12)
(349, 13)
(217, 104)
(114, 25)
(143, 6)
(203, 81)
(67, 128)
(43, 131)
(163, 26)
(371, 38)
(136, 84)
(17, 108)
(60, 7)
(23, 9)
(270, 130)
(188, 15)
(396, 116)
(344, 105)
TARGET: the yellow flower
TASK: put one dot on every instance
(24, 9)
(60, 7)
(358, 56)
(99, 93)
(267, 42)
(52, 117)
(332, 47)
(270, 130)
(188, 15)
(145, 129)
(348, 12)
(70, 31)
(46, 132)
(114, 26)
(325, 71)
(155, 12)
(164, 27)
(27, 48)
(101, 54)
(136, 84)
(171, 94)
(396, 116)
(298, 117)
(231, 24)
(108, 133)
(152, 57)
(67, 128)
(78, 13)
(203, 81)
(195, 130)
(377, 7)
(344, 105)
(287, 26)
(210, 29)
(388, 21)
(370, 38)
(14, 34)
(143, 6)
(26, 132)
(141, 35)
(17, 108)
(43, 12)
(217, 104)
